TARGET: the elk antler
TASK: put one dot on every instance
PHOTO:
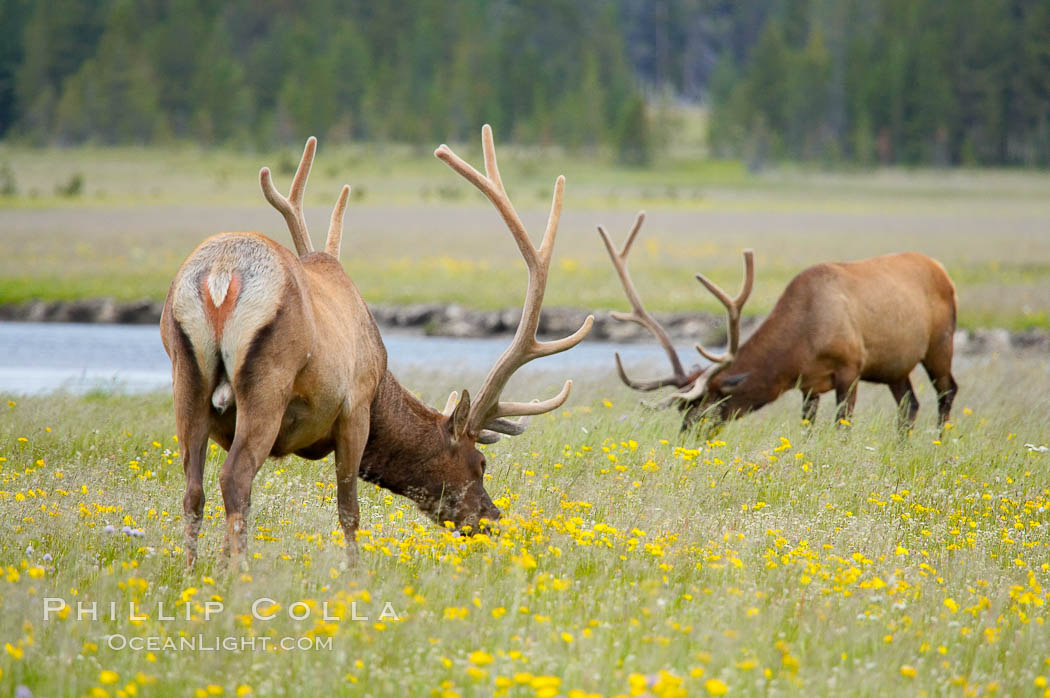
(335, 227)
(733, 306)
(719, 362)
(690, 386)
(495, 428)
(485, 420)
(640, 316)
(291, 207)
(692, 390)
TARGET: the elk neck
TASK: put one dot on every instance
(403, 437)
(771, 358)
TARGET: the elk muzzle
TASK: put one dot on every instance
(468, 511)
(475, 508)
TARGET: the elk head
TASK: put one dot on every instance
(457, 493)
(700, 389)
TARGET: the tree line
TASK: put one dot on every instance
(865, 81)
(250, 71)
(862, 81)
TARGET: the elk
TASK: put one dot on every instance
(275, 353)
(834, 325)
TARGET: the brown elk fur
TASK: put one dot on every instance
(835, 324)
(274, 354)
(839, 323)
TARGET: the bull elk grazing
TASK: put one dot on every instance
(274, 353)
(834, 325)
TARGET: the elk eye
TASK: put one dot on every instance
(732, 382)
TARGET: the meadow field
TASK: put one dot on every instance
(416, 232)
(773, 559)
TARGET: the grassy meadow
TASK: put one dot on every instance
(415, 231)
(773, 559)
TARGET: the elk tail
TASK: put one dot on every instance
(220, 290)
(222, 398)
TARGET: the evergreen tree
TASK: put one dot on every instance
(633, 140)
(13, 16)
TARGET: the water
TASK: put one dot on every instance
(37, 358)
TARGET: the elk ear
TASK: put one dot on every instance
(731, 383)
(457, 422)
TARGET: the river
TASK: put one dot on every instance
(37, 358)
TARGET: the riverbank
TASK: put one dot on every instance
(454, 320)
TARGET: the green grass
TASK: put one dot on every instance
(416, 232)
(775, 560)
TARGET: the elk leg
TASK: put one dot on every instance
(938, 365)
(845, 395)
(192, 427)
(810, 403)
(350, 438)
(946, 387)
(252, 441)
(907, 403)
(946, 390)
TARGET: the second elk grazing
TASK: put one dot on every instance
(276, 353)
(835, 324)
